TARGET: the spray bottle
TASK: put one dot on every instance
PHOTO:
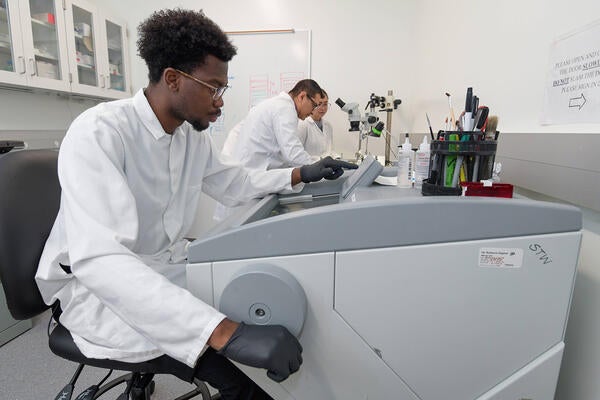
(405, 156)
(422, 162)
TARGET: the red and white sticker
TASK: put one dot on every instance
(492, 257)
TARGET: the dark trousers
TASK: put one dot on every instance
(219, 373)
(231, 383)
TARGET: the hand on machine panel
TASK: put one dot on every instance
(327, 168)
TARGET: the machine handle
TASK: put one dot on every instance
(32, 69)
(21, 64)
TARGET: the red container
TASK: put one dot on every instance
(45, 17)
(495, 190)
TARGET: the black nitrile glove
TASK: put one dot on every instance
(271, 347)
(327, 168)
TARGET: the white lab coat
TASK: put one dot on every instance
(231, 140)
(129, 195)
(316, 142)
(267, 137)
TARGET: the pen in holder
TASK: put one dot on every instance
(458, 157)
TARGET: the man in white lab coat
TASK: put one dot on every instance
(267, 137)
(131, 172)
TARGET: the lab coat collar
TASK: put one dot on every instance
(287, 96)
(147, 116)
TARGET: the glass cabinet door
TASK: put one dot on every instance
(7, 50)
(87, 62)
(44, 30)
(97, 51)
(116, 63)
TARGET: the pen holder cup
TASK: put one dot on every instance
(458, 157)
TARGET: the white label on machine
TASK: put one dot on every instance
(500, 258)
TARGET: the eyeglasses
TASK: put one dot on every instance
(323, 105)
(217, 92)
(314, 103)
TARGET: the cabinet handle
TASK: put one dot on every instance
(102, 81)
(32, 67)
(21, 65)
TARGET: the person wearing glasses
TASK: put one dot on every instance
(315, 133)
(266, 138)
(131, 172)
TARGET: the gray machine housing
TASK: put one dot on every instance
(407, 297)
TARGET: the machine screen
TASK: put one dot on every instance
(366, 173)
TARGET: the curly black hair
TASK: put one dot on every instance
(180, 39)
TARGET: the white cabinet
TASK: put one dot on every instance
(63, 45)
(12, 60)
(33, 49)
(116, 62)
(97, 51)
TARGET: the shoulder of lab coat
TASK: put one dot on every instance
(267, 139)
(303, 129)
(286, 127)
(317, 142)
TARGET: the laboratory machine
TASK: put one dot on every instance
(397, 296)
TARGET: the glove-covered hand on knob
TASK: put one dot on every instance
(271, 347)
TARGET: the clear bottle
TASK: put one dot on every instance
(422, 157)
(405, 156)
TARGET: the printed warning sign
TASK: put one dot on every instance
(572, 92)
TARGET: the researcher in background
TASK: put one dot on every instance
(315, 133)
(131, 172)
(267, 136)
(231, 139)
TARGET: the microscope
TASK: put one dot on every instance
(369, 124)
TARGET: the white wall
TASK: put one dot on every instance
(420, 49)
(355, 47)
(500, 48)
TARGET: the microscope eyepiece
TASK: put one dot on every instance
(340, 103)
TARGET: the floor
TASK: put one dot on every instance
(29, 370)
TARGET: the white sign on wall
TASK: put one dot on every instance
(573, 83)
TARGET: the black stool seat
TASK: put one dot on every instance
(62, 344)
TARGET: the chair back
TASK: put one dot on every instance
(29, 202)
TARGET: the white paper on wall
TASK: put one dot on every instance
(572, 92)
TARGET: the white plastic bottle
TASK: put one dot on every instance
(422, 163)
(405, 156)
